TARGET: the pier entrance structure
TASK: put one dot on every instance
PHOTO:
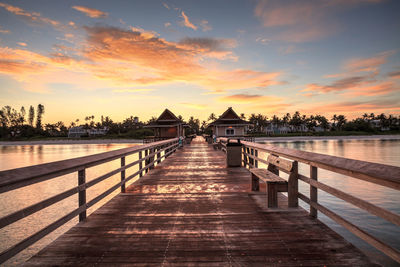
(187, 208)
(229, 124)
(167, 126)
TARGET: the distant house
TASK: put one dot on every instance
(76, 132)
(274, 128)
(167, 126)
(377, 124)
(79, 131)
(229, 124)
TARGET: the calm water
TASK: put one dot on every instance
(379, 151)
(387, 152)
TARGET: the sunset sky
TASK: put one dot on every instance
(123, 58)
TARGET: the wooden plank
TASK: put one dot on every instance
(267, 176)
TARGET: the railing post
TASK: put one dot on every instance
(256, 155)
(152, 158)
(140, 164)
(123, 175)
(146, 161)
(158, 156)
(82, 193)
(252, 159)
(293, 186)
(244, 156)
(313, 191)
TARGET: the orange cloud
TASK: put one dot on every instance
(205, 26)
(394, 74)
(383, 88)
(349, 108)
(91, 12)
(186, 22)
(248, 99)
(121, 59)
(33, 16)
(368, 64)
(22, 44)
(4, 31)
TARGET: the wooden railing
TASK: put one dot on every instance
(21, 177)
(380, 174)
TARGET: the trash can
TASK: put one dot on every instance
(233, 153)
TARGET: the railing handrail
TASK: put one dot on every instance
(381, 174)
(16, 178)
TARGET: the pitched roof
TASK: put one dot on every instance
(167, 118)
(167, 115)
(229, 117)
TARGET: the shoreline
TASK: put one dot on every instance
(317, 138)
(72, 142)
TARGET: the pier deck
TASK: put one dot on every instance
(193, 210)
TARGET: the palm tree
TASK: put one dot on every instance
(40, 112)
(242, 116)
(31, 115)
(212, 117)
(334, 119)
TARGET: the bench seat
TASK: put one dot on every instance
(274, 183)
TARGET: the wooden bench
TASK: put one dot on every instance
(274, 182)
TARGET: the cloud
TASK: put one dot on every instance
(263, 40)
(350, 107)
(214, 48)
(119, 59)
(382, 88)
(302, 20)
(394, 74)
(91, 12)
(248, 99)
(165, 5)
(3, 31)
(193, 106)
(186, 22)
(144, 33)
(368, 64)
(22, 44)
(32, 16)
(167, 24)
(359, 79)
(205, 27)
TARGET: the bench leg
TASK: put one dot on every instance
(272, 192)
(255, 183)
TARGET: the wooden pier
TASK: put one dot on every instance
(193, 210)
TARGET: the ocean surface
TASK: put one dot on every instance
(380, 151)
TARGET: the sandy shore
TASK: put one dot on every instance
(312, 138)
(71, 142)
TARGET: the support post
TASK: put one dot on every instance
(146, 161)
(246, 164)
(313, 191)
(252, 159)
(82, 193)
(152, 158)
(123, 175)
(293, 186)
(256, 155)
(140, 164)
(158, 156)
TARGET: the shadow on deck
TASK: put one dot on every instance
(193, 210)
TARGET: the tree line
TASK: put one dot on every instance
(17, 123)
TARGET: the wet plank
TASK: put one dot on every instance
(193, 211)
